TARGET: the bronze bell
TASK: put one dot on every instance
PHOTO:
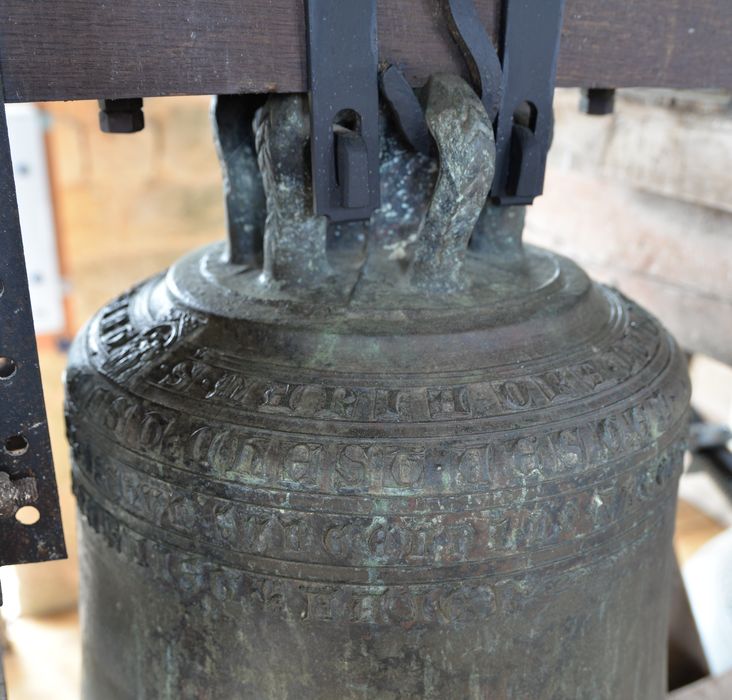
(398, 460)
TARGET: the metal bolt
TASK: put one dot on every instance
(597, 101)
(121, 116)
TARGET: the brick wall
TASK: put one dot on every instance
(642, 200)
(130, 204)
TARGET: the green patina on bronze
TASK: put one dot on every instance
(381, 461)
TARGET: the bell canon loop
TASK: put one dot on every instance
(409, 458)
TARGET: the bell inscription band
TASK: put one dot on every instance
(401, 459)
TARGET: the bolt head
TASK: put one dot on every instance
(121, 122)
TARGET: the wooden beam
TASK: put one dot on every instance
(79, 49)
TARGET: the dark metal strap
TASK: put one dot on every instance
(525, 119)
(26, 466)
(517, 95)
(406, 109)
(344, 107)
(480, 55)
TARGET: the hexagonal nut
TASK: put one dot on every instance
(121, 122)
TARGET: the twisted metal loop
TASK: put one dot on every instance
(464, 136)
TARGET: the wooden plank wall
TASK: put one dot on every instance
(79, 49)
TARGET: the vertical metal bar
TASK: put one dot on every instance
(344, 107)
(26, 466)
(525, 121)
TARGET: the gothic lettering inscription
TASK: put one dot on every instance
(241, 455)
(201, 379)
(439, 538)
(200, 581)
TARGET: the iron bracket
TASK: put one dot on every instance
(517, 91)
(344, 108)
(525, 121)
(26, 466)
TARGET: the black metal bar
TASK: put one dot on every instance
(406, 109)
(26, 466)
(525, 121)
(344, 107)
(121, 116)
(478, 51)
(597, 101)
